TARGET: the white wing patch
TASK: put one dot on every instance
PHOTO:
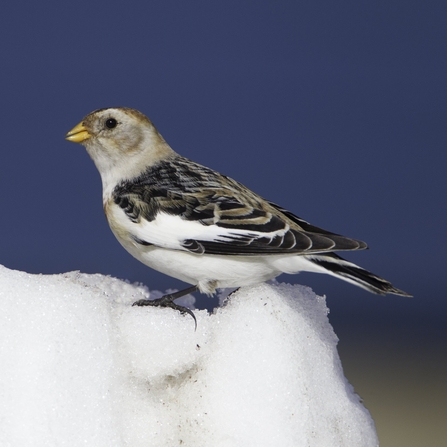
(170, 231)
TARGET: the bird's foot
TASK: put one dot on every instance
(168, 301)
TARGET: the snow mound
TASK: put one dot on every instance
(80, 366)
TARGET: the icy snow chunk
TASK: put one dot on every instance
(57, 365)
(80, 366)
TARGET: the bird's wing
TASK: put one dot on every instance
(205, 212)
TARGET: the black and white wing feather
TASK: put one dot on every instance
(182, 205)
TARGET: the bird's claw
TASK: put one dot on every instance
(167, 301)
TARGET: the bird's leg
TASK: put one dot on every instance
(168, 301)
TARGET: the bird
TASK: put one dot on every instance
(194, 224)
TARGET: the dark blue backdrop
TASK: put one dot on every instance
(335, 110)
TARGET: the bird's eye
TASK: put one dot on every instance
(111, 123)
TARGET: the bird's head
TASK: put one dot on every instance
(121, 141)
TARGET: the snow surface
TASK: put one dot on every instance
(80, 366)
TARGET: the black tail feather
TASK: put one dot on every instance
(352, 273)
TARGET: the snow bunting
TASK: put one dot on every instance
(190, 222)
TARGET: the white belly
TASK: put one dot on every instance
(207, 271)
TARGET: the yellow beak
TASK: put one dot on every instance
(78, 134)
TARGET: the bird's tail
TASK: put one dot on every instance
(342, 269)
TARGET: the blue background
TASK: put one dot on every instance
(334, 110)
